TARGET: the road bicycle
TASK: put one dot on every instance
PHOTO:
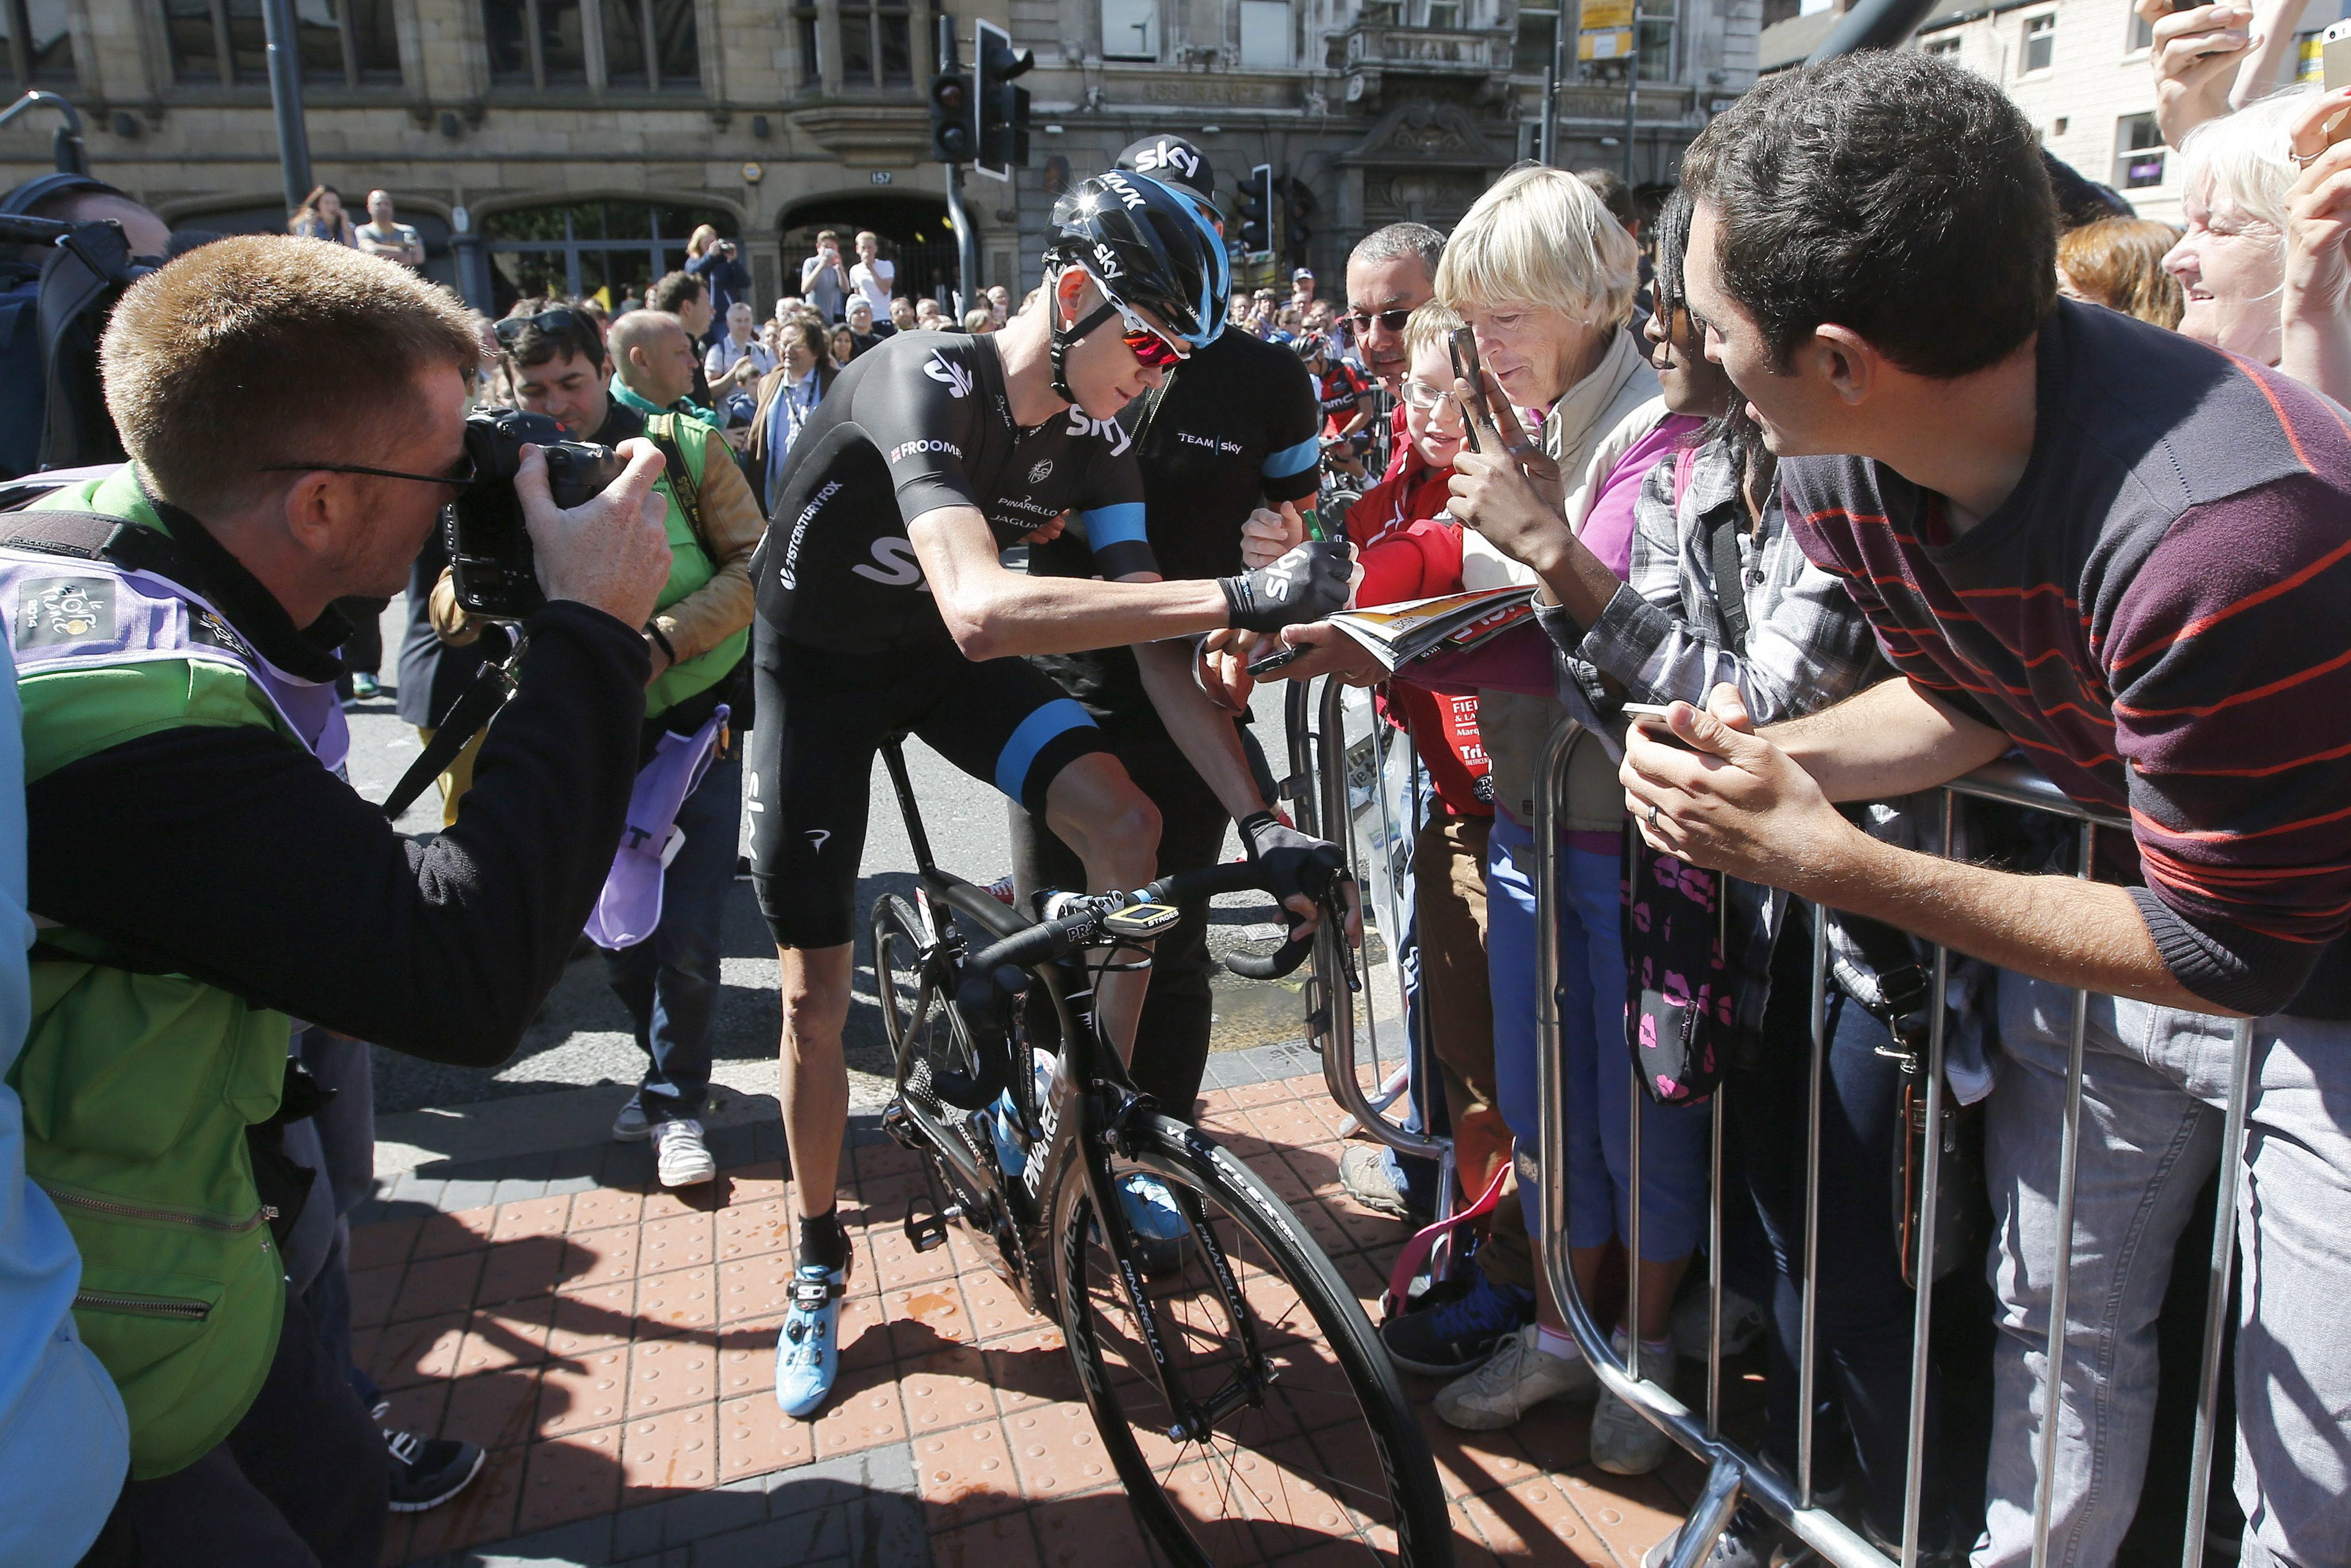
(1240, 1393)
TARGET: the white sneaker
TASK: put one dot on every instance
(1743, 1321)
(679, 1154)
(631, 1127)
(1521, 1376)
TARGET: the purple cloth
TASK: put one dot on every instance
(630, 909)
(1607, 530)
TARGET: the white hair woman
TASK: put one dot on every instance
(1544, 278)
(2267, 210)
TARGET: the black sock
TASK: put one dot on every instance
(823, 1243)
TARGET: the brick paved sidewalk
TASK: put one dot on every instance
(612, 1346)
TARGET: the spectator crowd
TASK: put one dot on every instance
(1881, 448)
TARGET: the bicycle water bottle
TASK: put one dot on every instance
(1004, 1117)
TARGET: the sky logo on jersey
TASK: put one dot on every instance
(911, 448)
(1042, 472)
(791, 568)
(1110, 430)
(954, 377)
(1167, 155)
(898, 566)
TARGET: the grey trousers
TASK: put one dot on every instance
(2155, 1084)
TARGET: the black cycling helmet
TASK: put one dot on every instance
(1168, 157)
(1312, 346)
(1144, 245)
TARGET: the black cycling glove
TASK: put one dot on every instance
(1309, 583)
(1294, 862)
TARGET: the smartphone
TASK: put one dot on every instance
(2335, 61)
(1272, 661)
(1463, 346)
(1634, 713)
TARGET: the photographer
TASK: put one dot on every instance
(725, 281)
(697, 637)
(824, 277)
(201, 871)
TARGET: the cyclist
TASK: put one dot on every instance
(882, 606)
(1347, 400)
(1230, 435)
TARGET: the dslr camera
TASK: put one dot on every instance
(490, 561)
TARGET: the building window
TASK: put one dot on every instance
(1659, 21)
(1442, 15)
(2040, 42)
(216, 41)
(536, 42)
(607, 250)
(1130, 29)
(348, 41)
(39, 49)
(1536, 31)
(2142, 35)
(876, 44)
(1383, 12)
(1945, 49)
(2138, 153)
(650, 44)
(1265, 35)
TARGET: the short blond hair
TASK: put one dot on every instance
(1539, 236)
(239, 355)
(1429, 327)
(2248, 156)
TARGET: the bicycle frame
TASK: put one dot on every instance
(1091, 1104)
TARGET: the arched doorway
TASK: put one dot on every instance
(912, 230)
(609, 249)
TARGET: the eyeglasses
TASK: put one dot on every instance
(1152, 348)
(1389, 320)
(1420, 395)
(461, 473)
(562, 319)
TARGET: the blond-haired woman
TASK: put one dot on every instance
(2118, 263)
(1544, 277)
(723, 274)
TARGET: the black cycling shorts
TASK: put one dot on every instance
(821, 717)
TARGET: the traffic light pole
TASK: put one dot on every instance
(966, 239)
(282, 52)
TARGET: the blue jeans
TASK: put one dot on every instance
(2155, 1081)
(1598, 1065)
(669, 982)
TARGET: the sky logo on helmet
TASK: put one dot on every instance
(1167, 155)
(954, 377)
(1106, 260)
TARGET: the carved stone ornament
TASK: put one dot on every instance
(1427, 131)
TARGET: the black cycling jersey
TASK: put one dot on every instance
(919, 423)
(1236, 426)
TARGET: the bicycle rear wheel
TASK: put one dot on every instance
(1326, 1461)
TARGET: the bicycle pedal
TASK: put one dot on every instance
(928, 1231)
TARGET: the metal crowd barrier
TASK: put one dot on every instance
(1733, 1469)
(1317, 788)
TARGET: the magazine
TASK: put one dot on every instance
(1396, 634)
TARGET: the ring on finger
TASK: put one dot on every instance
(1653, 813)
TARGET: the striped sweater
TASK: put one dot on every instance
(2160, 616)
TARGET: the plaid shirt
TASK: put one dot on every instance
(1808, 646)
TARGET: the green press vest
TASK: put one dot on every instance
(690, 566)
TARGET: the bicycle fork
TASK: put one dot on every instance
(1195, 1420)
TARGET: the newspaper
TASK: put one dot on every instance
(1396, 634)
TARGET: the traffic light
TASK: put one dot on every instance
(1257, 211)
(1003, 107)
(1298, 206)
(951, 120)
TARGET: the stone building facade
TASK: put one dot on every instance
(576, 142)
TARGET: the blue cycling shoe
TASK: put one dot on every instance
(1457, 1327)
(807, 1351)
(1155, 1225)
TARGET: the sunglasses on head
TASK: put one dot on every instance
(561, 318)
(1389, 320)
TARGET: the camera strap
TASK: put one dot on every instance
(662, 431)
(492, 683)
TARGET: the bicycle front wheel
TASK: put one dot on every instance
(1283, 1432)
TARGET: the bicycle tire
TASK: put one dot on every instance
(1310, 1455)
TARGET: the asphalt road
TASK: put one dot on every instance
(583, 1036)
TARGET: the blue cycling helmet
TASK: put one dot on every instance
(1147, 245)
